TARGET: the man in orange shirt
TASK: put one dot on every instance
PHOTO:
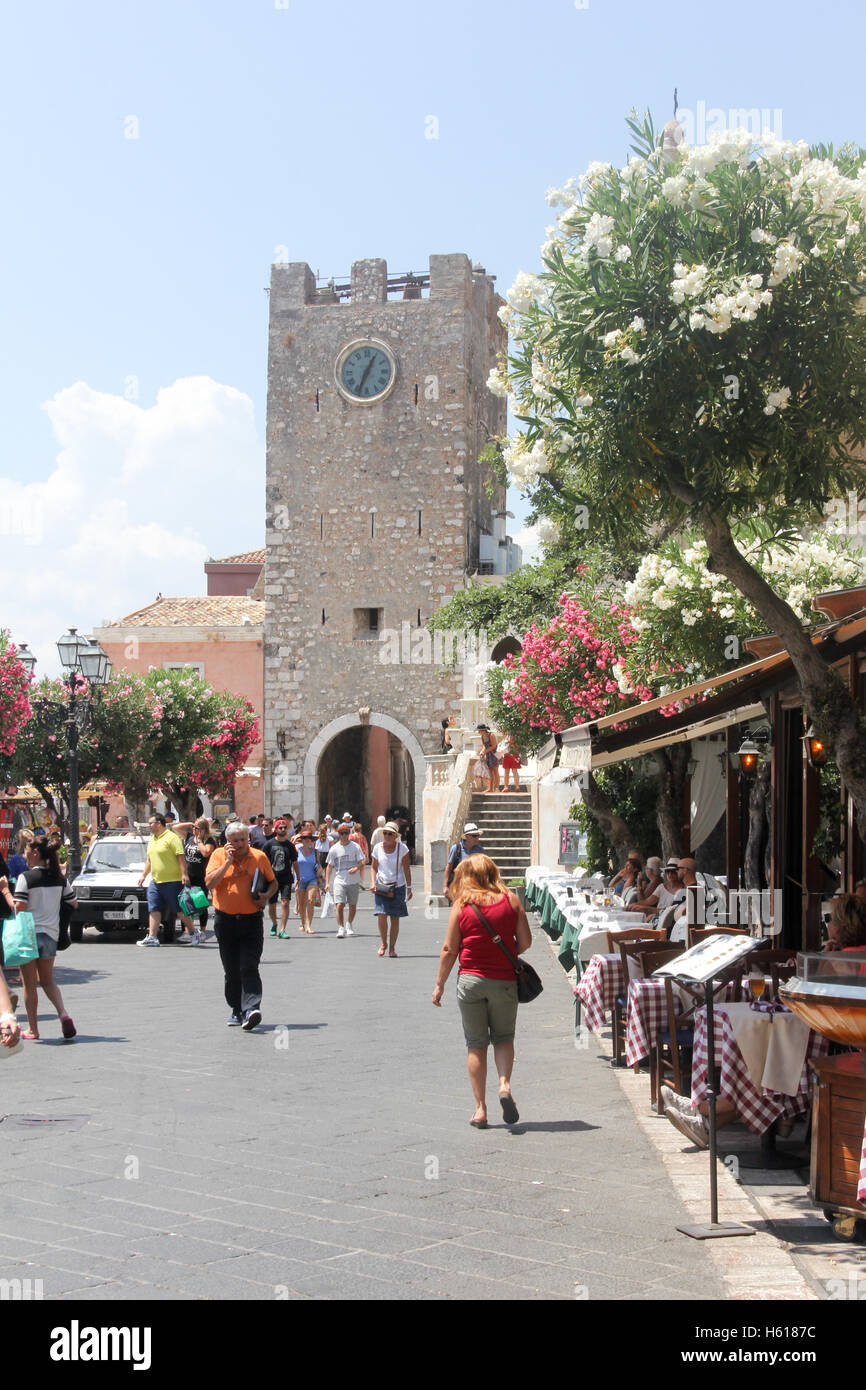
(238, 921)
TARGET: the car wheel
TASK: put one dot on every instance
(76, 931)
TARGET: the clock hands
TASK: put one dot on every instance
(366, 373)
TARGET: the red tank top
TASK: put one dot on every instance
(479, 954)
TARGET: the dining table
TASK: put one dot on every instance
(598, 987)
(761, 1052)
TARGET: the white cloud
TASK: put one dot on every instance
(529, 544)
(138, 499)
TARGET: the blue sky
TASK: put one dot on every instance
(133, 264)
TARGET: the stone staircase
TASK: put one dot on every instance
(505, 821)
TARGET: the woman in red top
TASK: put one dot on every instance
(487, 982)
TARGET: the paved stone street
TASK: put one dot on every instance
(329, 1154)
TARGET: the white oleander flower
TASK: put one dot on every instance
(787, 259)
(777, 400)
(610, 340)
(630, 356)
(496, 385)
(674, 190)
(525, 292)
(597, 233)
(637, 324)
(622, 253)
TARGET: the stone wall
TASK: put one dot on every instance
(371, 506)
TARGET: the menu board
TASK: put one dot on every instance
(572, 842)
(707, 960)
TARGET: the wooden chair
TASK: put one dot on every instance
(696, 934)
(676, 1041)
(671, 1058)
(632, 943)
(615, 939)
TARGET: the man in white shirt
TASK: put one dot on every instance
(376, 837)
(343, 870)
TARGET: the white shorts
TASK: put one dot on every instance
(345, 892)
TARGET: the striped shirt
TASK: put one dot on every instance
(42, 891)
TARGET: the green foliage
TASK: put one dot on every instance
(649, 353)
(633, 796)
(830, 835)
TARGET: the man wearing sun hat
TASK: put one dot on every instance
(470, 843)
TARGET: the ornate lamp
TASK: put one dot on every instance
(816, 749)
(26, 657)
(745, 760)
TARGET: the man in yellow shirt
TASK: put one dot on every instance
(166, 864)
(241, 882)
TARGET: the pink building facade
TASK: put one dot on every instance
(221, 636)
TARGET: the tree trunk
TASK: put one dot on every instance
(827, 702)
(622, 836)
(672, 766)
(186, 801)
(135, 805)
(757, 838)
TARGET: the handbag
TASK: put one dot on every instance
(529, 984)
(19, 940)
(65, 917)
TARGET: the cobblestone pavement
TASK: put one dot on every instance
(328, 1154)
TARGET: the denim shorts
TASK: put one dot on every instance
(163, 897)
(46, 945)
(488, 1009)
(391, 907)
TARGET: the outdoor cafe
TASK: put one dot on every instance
(782, 1056)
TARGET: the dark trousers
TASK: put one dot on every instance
(241, 940)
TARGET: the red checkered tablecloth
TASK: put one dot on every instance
(647, 1013)
(598, 987)
(861, 1188)
(757, 1109)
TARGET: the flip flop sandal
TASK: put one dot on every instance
(510, 1113)
(31, 1037)
(393, 953)
(479, 1124)
(68, 1027)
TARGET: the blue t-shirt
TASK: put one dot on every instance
(307, 866)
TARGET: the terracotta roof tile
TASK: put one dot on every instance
(246, 557)
(228, 611)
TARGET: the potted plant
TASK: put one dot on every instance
(518, 886)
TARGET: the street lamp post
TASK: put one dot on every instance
(79, 657)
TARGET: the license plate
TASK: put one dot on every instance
(118, 916)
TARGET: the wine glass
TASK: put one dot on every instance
(757, 985)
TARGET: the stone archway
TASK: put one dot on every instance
(353, 721)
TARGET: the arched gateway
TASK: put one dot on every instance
(316, 756)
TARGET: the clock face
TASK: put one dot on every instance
(366, 372)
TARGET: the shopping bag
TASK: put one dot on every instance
(199, 899)
(19, 940)
(327, 907)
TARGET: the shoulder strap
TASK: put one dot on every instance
(494, 935)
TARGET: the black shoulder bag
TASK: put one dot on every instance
(529, 985)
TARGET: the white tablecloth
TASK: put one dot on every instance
(773, 1046)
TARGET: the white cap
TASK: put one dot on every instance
(471, 828)
(347, 815)
(380, 820)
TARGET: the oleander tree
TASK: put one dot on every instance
(690, 618)
(14, 695)
(692, 356)
(202, 740)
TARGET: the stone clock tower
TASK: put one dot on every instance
(378, 409)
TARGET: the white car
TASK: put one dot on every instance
(107, 888)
